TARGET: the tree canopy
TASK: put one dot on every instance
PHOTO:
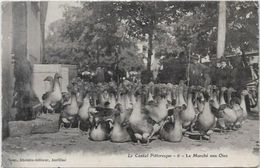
(107, 33)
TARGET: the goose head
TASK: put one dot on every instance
(86, 99)
(150, 97)
(164, 90)
(170, 118)
(223, 89)
(231, 90)
(107, 104)
(214, 87)
(81, 93)
(96, 121)
(210, 90)
(169, 85)
(57, 76)
(119, 108)
(200, 96)
(121, 113)
(244, 92)
(191, 89)
(48, 78)
(206, 95)
(117, 112)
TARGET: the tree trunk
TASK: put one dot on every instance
(221, 29)
(150, 50)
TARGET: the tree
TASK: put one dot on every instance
(242, 26)
(91, 34)
(221, 29)
(198, 28)
(106, 32)
(144, 18)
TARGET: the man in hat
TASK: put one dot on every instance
(224, 73)
(195, 71)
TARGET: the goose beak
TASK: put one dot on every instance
(46, 79)
(59, 76)
(110, 120)
(110, 124)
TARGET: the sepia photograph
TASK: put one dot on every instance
(130, 83)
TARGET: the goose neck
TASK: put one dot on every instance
(222, 100)
(73, 98)
(189, 98)
(56, 85)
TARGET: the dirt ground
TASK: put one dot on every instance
(70, 140)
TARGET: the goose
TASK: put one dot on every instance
(150, 98)
(132, 100)
(239, 112)
(140, 122)
(243, 103)
(112, 100)
(169, 97)
(121, 131)
(199, 100)
(101, 128)
(169, 86)
(214, 98)
(80, 94)
(229, 94)
(126, 101)
(206, 119)
(174, 94)
(83, 114)
(151, 87)
(159, 111)
(169, 93)
(214, 103)
(188, 115)
(222, 100)
(104, 98)
(102, 123)
(48, 79)
(69, 110)
(226, 115)
(172, 129)
(54, 96)
(234, 103)
(180, 98)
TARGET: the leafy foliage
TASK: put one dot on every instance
(91, 34)
(243, 25)
(106, 33)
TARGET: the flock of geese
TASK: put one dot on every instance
(164, 111)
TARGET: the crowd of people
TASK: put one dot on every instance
(223, 72)
(104, 74)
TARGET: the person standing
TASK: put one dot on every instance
(100, 75)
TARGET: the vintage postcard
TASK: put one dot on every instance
(130, 83)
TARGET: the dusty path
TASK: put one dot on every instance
(71, 140)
